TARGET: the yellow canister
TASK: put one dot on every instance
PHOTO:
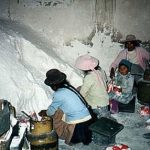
(42, 134)
(41, 127)
(48, 141)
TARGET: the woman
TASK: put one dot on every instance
(137, 56)
(71, 117)
(94, 85)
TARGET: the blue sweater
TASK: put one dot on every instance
(69, 103)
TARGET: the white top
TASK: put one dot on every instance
(132, 57)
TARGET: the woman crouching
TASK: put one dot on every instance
(71, 117)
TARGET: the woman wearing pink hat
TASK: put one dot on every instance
(94, 84)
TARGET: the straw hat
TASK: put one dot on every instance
(130, 38)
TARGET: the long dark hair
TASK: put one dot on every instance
(63, 84)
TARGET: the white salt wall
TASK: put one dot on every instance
(52, 35)
(16, 82)
(103, 48)
(58, 23)
(25, 58)
(70, 21)
(23, 67)
(64, 20)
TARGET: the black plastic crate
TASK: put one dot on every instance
(104, 131)
(102, 140)
(129, 108)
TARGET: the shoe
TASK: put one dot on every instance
(71, 144)
(146, 135)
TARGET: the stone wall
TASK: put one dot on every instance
(64, 20)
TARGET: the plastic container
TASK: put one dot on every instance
(42, 136)
(104, 131)
(143, 93)
(5, 140)
(118, 147)
(41, 127)
(47, 141)
(4, 117)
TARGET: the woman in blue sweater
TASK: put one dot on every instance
(71, 117)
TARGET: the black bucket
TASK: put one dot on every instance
(143, 92)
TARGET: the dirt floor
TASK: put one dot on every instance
(131, 134)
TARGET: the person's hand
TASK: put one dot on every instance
(117, 89)
(42, 113)
(112, 73)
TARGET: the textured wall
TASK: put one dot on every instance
(64, 20)
(59, 22)
(132, 16)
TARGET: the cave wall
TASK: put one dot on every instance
(64, 20)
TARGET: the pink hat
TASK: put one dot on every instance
(86, 62)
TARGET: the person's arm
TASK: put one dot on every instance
(112, 73)
(52, 108)
(115, 63)
(49, 111)
(104, 76)
(129, 86)
(146, 56)
(87, 83)
(55, 105)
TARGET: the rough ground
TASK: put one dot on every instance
(131, 135)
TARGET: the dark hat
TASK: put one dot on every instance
(125, 63)
(130, 38)
(54, 76)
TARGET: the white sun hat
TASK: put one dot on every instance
(86, 62)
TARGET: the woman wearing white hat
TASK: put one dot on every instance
(94, 84)
(137, 55)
